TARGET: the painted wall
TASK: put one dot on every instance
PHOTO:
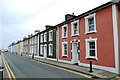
(104, 35)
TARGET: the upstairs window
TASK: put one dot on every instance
(90, 24)
(45, 37)
(64, 31)
(41, 38)
(75, 28)
(50, 35)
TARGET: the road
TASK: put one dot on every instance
(26, 68)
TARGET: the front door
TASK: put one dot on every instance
(74, 52)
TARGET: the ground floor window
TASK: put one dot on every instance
(64, 48)
(41, 49)
(50, 49)
(91, 48)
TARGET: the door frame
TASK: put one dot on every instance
(78, 51)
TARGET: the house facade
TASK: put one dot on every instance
(18, 48)
(92, 35)
(21, 47)
(47, 43)
(33, 44)
(25, 46)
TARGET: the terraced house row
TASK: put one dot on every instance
(94, 35)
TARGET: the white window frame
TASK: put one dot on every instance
(87, 48)
(50, 37)
(41, 37)
(50, 54)
(41, 49)
(64, 32)
(45, 37)
(63, 54)
(86, 23)
(72, 28)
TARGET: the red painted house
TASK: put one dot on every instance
(94, 34)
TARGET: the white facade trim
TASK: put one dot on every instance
(64, 61)
(110, 69)
(115, 34)
(86, 23)
(52, 59)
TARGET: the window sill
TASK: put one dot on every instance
(92, 57)
(50, 40)
(64, 37)
(90, 32)
(65, 56)
(75, 35)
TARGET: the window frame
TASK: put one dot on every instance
(41, 49)
(87, 25)
(50, 37)
(88, 48)
(72, 27)
(41, 37)
(64, 32)
(50, 54)
(63, 54)
(45, 37)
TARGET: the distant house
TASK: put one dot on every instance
(18, 47)
(21, 47)
(33, 44)
(25, 46)
(92, 35)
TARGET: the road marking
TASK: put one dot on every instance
(8, 69)
(87, 76)
(78, 73)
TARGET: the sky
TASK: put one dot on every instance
(19, 18)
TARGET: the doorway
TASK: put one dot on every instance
(75, 53)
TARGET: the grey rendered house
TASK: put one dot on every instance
(47, 43)
(33, 44)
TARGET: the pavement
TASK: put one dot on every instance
(96, 72)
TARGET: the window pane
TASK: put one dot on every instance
(92, 45)
(91, 27)
(65, 49)
(92, 52)
(65, 31)
(91, 24)
(75, 28)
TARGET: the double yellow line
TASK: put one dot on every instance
(81, 74)
(9, 71)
